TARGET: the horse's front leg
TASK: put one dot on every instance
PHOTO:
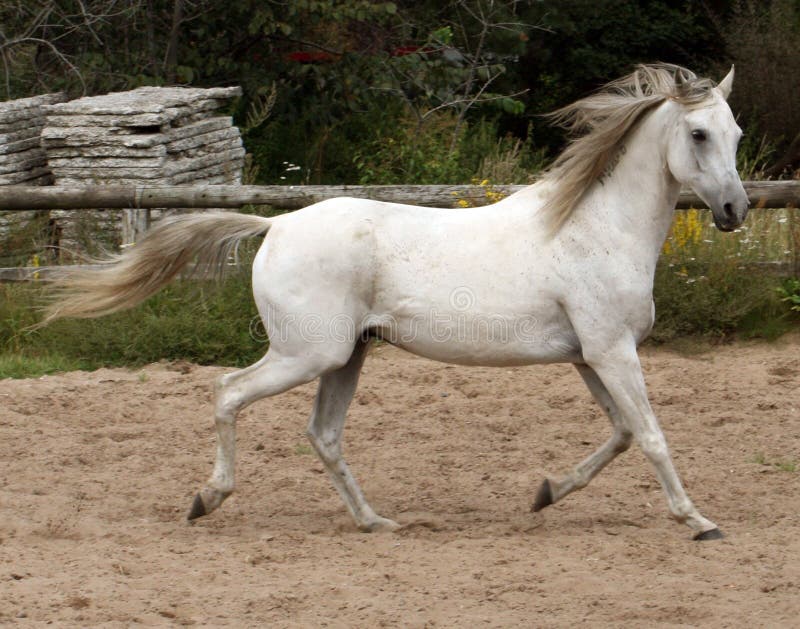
(552, 490)
(617, 365)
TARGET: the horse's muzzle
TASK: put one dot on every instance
(731, 214)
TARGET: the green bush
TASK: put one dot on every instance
(440, 151)
(716, 301)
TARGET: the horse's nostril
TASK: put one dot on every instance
(728, 209)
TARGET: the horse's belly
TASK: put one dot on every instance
(491, 340)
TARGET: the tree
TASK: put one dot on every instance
(763, 39)
(583, 44)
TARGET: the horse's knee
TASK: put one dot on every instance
(654, 447)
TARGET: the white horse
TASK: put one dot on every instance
(562, 271)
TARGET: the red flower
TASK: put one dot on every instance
(310, 57)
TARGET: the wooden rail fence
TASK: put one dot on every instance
(763, 194)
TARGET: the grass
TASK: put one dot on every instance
(782, 465)
(302, 449)
(20, 366)
(195, 321)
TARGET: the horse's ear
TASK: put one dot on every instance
(680, 81)
(726, 84)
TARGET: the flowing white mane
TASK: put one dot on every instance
(601, 121)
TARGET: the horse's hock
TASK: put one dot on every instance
(147, 136)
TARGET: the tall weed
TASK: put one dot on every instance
(715, 284)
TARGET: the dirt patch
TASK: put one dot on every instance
(98, 469)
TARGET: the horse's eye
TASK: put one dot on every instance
(699, 135)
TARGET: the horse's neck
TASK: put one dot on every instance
(638, 193)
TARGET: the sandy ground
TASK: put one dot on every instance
(98, 469)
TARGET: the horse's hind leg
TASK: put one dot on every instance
(552, 491)
(325, 428)
(271, 375)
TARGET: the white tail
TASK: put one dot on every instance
(131, 277)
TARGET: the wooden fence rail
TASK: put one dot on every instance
(763, 194)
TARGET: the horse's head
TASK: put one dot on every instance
(702, 155)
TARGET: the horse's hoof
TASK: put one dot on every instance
(707, 535)
(206, 501)
(198, 509)
(544, 498)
